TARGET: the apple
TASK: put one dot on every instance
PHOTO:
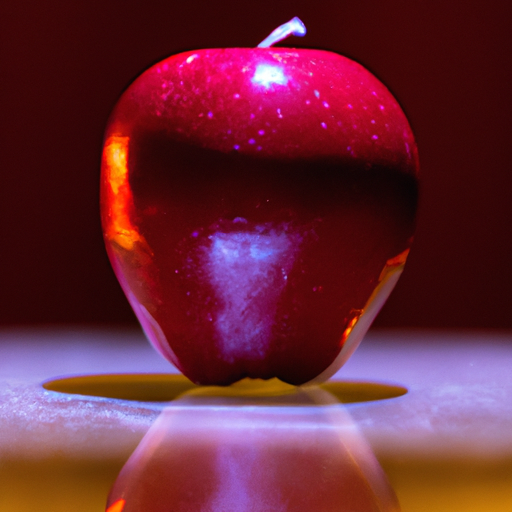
(258, 206)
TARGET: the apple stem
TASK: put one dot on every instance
(293, 27)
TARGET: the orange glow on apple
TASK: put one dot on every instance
(350, 326)
(120, 228)
(118, 506)
(397, 261)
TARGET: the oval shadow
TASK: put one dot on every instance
(167, 387)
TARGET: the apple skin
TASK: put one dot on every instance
(256, 205)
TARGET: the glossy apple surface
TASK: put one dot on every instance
(258, 206)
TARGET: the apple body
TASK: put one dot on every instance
(257, 206)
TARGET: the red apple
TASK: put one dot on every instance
(258, 205)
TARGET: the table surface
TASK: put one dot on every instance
(458, 406)
(459, 399)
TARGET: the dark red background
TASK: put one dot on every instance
(63, 65)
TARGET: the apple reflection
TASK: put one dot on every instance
(253, 447)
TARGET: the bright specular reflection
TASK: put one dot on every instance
(268, 74)
(249, 271)
(258, 447)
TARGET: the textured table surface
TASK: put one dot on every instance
(457, 410)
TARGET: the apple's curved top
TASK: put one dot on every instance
(271, 103)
